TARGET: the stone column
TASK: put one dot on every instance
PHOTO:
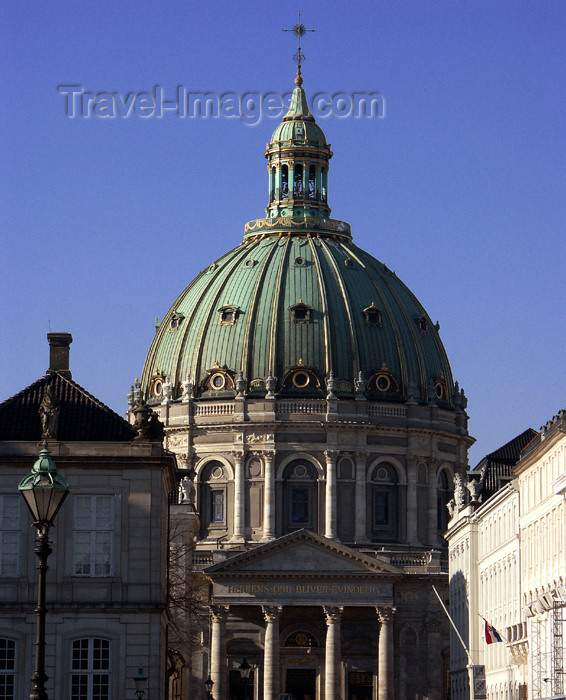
(385, 671)
(434, 657)
(239, 497)
(333, 652)
(219, 614)
(271, 671)
(361, 505)
(269, 496)
(412, 515)
(330, 509)
(432, 515)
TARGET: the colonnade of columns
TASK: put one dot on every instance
(330, 519)
(332, 656)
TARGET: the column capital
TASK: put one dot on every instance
(331, 455)
(332, 613)
(238, 455)
(271, 613)
(360, 456)
(268, 454)
(219, 613)
(385, 613)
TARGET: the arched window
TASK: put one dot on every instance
(90, 669)
(213, 500)
(312, 182)
(284, 181)
(272, 185)
(444, 493)
(324, 181)
(298, 181)
(384, 502)
(7, 669)
(300, 499)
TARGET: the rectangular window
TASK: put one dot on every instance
(381, 508)
(217, 506)
(299, 505)
(90, 669)
(94, 535)
(10, 535)
(7, 669)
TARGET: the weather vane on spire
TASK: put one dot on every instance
(299, 30)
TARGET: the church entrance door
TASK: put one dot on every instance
(241, 688)
(360, 685)
(301, 683)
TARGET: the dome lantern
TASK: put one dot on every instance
(298, 158)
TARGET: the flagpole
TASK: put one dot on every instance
(454, 626)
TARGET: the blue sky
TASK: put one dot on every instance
(460, 188)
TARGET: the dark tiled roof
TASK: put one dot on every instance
(497, 467)
(512, 449)
(82, 417)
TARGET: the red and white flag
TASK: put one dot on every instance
(491, 634)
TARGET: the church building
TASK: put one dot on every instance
(309, 400)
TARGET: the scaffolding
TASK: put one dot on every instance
(558, 648)
(537, 666)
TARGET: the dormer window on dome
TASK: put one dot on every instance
(372, 315)
(228, 315)
(301, 313)
(422, 324)
(176, 320)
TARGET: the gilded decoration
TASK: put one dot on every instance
(298, 222)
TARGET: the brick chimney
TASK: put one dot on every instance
(59, 353)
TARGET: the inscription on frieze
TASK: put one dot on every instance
(355, 592)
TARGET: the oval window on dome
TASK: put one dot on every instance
(218, 381)
(440, 389)
(301, 379)
(383, 382)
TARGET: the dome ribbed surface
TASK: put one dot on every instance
(263, 279)
(298, 125)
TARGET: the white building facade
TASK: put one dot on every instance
(541, 480)
(507, 565)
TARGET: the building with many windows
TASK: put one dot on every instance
(507, 564)
(106, 583)
(310, 402)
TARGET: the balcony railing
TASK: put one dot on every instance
(287, 406)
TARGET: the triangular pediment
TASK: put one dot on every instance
(302, 552)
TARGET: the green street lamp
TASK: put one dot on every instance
(44, 491)
(140, 679)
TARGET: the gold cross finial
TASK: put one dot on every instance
(299, 30)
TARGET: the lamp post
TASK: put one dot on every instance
(44, 491)
(208, 687)
(140, 679)
(245, 669)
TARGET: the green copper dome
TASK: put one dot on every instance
(300, 302)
